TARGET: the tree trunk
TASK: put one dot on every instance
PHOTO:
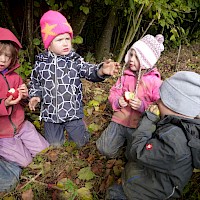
(132, 30)
(8, 19)
(29, 15)
(78, 22)
(103, 47)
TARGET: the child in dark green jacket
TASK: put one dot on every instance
(163, 152)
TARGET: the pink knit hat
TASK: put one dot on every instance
(53, 23)
(148, 50)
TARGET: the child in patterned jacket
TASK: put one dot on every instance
(133, 93)
(56, 82)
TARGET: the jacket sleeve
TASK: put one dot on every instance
(161, 152)
(154, 86)
(3, 110)
(89, 71)
(115, 93)
(34, 85)
(23, 102)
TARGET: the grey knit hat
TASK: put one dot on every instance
(181, 93)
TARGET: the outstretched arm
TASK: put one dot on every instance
(109, 68)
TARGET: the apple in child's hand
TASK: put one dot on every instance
(129, 96)
(14, 92)
(154, 109)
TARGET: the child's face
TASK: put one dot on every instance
(165, 110)
(5, 57)
(134, 63)
(61, 44)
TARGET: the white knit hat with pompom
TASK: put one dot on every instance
(148, 50)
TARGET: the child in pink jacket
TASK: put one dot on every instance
(19, 140)
(143, 80)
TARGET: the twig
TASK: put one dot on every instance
(48, 185)
(179, 51)
(32, 180)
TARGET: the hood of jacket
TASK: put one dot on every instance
(7, 35)
(191, 128)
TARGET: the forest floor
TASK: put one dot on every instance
(69, 173)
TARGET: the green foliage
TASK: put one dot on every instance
(89, 57)
(67, 4)
(86, 174)
(25, 68)
(179, 35)
(36, 42)
(191, 191)
(109, 2)
(77, 40)
(93, 127)
(69, 186)
(85, 9)
(57, 6)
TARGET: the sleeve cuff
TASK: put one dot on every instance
(104, 76)
(141, 109)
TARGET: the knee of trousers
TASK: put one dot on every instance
(25, 162)
(107, 150)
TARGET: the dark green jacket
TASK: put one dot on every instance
(161, 157)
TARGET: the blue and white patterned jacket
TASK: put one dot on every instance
(57, 81)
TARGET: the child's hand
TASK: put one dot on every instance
(24, 91)
(9, 101)
(33, 102)
(122, 102)
(109, 68)
(135, 103)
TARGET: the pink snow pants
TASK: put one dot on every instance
(23, 146)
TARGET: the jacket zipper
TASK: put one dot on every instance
(56, 85)
(9, 117)
(173, 191)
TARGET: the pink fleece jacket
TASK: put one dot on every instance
(11, 118)
(148, 92)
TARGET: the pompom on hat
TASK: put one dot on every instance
(53, 23)
(181, 93)
(148, 50)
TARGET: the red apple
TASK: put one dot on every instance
(129, 96)
(14, 92)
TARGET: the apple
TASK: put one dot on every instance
(129, 96)
(154, 109)
(14, 92)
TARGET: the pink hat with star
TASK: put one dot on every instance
(53, 23)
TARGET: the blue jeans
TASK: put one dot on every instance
(9, 175)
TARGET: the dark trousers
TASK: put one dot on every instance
(76, 129)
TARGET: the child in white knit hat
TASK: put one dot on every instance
(133, 93)
(164, 151)
(56, 81)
